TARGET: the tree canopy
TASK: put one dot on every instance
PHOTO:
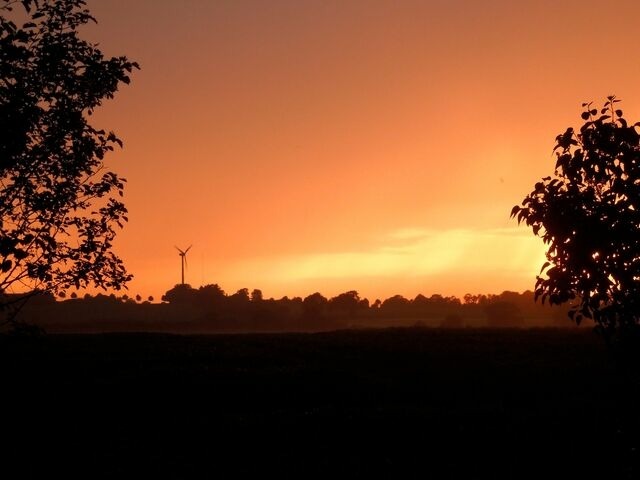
(588, 215)
(60, 208)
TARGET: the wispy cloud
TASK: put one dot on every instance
(411, 252)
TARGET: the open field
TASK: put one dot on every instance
(394, 403)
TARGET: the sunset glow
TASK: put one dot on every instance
(375, 146)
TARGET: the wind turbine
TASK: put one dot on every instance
(183, 259)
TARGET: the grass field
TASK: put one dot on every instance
(393, 403)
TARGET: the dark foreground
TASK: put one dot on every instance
(405, 403)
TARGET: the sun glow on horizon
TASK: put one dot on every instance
(405, 253)
(376, 146)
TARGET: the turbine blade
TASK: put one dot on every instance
(188, 249)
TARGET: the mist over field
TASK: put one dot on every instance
(209, 309)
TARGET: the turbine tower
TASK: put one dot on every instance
(183, 260)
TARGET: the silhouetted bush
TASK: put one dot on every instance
(210, 309)
(587, 213)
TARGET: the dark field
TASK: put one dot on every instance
(399, 403)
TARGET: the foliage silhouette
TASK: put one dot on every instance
(346, 304)
(256, 295)
(209, 309)
(59, 207)
(182, 293)
(588, 214)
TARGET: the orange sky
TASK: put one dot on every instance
(306, 146)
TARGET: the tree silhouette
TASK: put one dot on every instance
(346, 304)
(59, 207)
(315, 307)
(588, 214)
(256, 295)
(211, 294)
(180, 294)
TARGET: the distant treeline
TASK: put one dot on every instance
(210, 309)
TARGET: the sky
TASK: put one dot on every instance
(376, 146)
